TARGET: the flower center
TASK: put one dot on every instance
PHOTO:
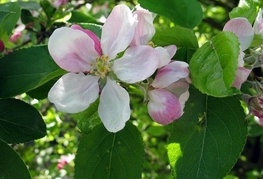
(102, 66)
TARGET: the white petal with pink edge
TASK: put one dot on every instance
(114, 108)
(72, 50)
(258, 24)
(137, 64)
(241, 76)
(170, 73)
(92, 35)
(145, 29)
(73, 93)
(180, 90)
(118, 31)
(242, 29)
(164, 56)
(171, 49)
(163, 106)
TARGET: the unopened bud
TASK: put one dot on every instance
(2, 46)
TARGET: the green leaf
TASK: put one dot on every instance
(29, 5)
(89, 118)
(92, 27)
(247, 9)
(48, 8)
(186, 13)
(207, 141)
(20, 122)
(213, 66)
(8, 21)
(79, 17)
(102, 154)
(25, 70)
(184, 39)
(11, 164)
(26, 16)
(41, 92)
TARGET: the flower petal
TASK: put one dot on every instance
(163, 107)
(118, 31)
(180, 90)
(72, 50)
(114, 108)
(73, 93)
(171, 49)
(242, 29)
(241, 76)
(92, 35)
(165, 54)
(137, 64)
(145, 29)
(258, 24)
(170, 73)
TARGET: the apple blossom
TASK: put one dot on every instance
(244, 32)
(169, 92)
(95, 67)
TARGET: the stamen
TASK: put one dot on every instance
(102, 66)
(151, 44)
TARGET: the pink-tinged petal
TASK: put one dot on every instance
(241, 59)
(114, 108)
(259, 120)
(242, 29)
(241, 76)
(144, 29)
(118, 31)
(171, 49)
(137, 64)
(258, 24)
(180, 90)
(91, 35)
(72, 50)
(164, 56)
(170, 73)
(163, 107)
(73, 93)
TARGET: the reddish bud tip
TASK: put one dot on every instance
(2, 46)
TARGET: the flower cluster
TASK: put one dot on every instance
(100, 67)
(246, 33)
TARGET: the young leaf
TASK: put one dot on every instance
(20, 122)
(102, 154)
(26, 69)
(213, 66)
(207, 141)
(11, 164)
(186, 13)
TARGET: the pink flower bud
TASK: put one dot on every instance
(2, 46)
